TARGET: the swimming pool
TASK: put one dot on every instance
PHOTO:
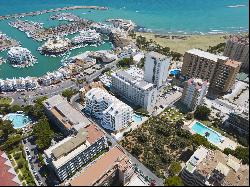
(137, 118)
(174, 71)
(213, 137)
(18, 120)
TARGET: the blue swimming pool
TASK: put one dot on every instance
(137, 118)
(175, 72)
(213, 137)
(18, 120)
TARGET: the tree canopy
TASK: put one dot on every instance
(202, 113)
(174, 181)
(43, 134)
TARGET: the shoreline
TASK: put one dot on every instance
(182, 42)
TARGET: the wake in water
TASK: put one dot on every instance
(236, 6)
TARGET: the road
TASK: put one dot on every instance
(139, 165)
(33, 163)
(27, 97)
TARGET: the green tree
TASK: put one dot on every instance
(202, 113)
(43, 134)
(174, 181)
(6, 129)
(137, 150)
(175, 168)
(68, 93)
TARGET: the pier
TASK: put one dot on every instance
(19, 15)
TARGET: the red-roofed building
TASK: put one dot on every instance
(8, 176)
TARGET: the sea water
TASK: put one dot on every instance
(162, 16)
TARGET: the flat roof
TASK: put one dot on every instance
(99, 168)
(206, 55)
(233, 63)
(70, 147)
(156, 55)
(71, 144)
(64, 112)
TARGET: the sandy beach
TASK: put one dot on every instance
(189, 42)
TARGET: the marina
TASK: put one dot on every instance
(6, 42)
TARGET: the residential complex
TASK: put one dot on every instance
(239, 121)
(219, 71)
(114, 167)
(131, 85)
(8, 176)
(69, 155)
(214, 168)
(114, 114)
(156, 68)
(237, 48)
(194, 92)
(63, 115)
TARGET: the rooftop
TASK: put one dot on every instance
(71, 146)
(197, 82)
(115, 157)
(233, 63)
(8, 176)
(206, 55)
(63, 111)
(134, 76)
(208, 162)
(156, 55)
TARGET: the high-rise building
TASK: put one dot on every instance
(70, 154)
(194, 92)
(130, 85)
(238, 121)
(237, 48)
(219, 71)
(156, 68)
(114, 114)
(214, 168)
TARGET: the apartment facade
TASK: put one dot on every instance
(194, 92)
(214, 168)
(69, 155)
(237, 48)
(239, 121)
(156, 68)
(130, 85)
(115, 165)
(219, 71)
(114, 114)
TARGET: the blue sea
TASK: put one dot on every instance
(162, 16)
(158, 15)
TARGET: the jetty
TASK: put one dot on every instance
(34, 13)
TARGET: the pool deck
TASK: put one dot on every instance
(227, 143)
(134, 125)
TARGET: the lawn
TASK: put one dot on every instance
(20, 164)
(5, 101)
(193, 41)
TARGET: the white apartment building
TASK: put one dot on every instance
(194, 92)
(113, 113)
(131, 85)
(156, 68)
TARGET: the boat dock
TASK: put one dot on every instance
(19, 15)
